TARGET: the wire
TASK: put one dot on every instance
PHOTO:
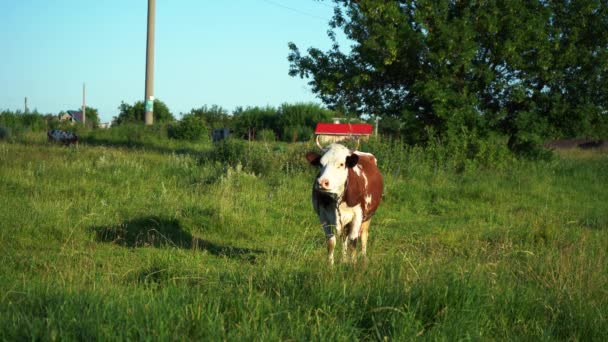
(274, 3)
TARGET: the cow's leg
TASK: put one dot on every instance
(352, 249)
(345, 248)
(327, 218)
(330, 239)
(331, 244)
(354, 233)
(364, 234)
(355, 225)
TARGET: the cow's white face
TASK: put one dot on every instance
(334, 168)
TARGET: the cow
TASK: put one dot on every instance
(345, 195)
(64, 137)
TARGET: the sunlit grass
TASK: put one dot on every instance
(135, 243)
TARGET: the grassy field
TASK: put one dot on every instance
(118, 243)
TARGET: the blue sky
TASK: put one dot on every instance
(229, 53)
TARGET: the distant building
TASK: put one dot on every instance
(71, 116)
(105, 125)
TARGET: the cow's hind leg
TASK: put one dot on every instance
(349, 245)
(331, 244)
(345, 247)
(352, 249)
(364, 234)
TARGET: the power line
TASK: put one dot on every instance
(295, 10)
(324, 4)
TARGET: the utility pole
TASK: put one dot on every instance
(376, 128)
(149, 97)
(84, 106)
(26, 109)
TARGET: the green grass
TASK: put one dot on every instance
(119, 243)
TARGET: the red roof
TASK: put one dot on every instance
(76, 115)
(343, 129)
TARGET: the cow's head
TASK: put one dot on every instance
(334, 165)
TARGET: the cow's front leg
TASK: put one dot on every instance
(331, 244)
(330, 240)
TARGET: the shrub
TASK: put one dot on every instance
(19, 123)
(467, 153)
(190, 127)
(230, 151)
(262, 159)
(266, 135)
(131, 135)
(5, 133)
(297, 133)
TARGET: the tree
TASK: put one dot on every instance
(190, 127)
(300, 118)
(251, 119)
(92, 117)
(298, 121)
(135, 113)
(518, 67)
(215, 116)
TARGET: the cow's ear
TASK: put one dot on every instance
(313, 158)
(352, 160)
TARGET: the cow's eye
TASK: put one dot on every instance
(341, 165)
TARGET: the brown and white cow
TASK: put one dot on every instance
(64, 137)
(345, 195)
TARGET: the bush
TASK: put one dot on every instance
(5, 133)
(262, 159)
(466, 153)
(529, 145)
(266, 135)
(19, 123)
(297, 133)
(131, 135)
(527, 136)
(190, 127)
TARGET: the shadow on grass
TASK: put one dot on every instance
(153, 231)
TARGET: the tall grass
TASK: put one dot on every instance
(221, 243)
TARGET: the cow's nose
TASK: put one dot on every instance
(324, 183)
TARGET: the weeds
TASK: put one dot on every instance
(168, 240)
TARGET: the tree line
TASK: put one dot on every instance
(288, 122)
(35, 121)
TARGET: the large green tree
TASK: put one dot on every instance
(135, 113)
(526, 68)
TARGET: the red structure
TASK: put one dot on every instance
(344, 129)
(334, 132)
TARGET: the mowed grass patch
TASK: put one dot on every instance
(119, 243)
